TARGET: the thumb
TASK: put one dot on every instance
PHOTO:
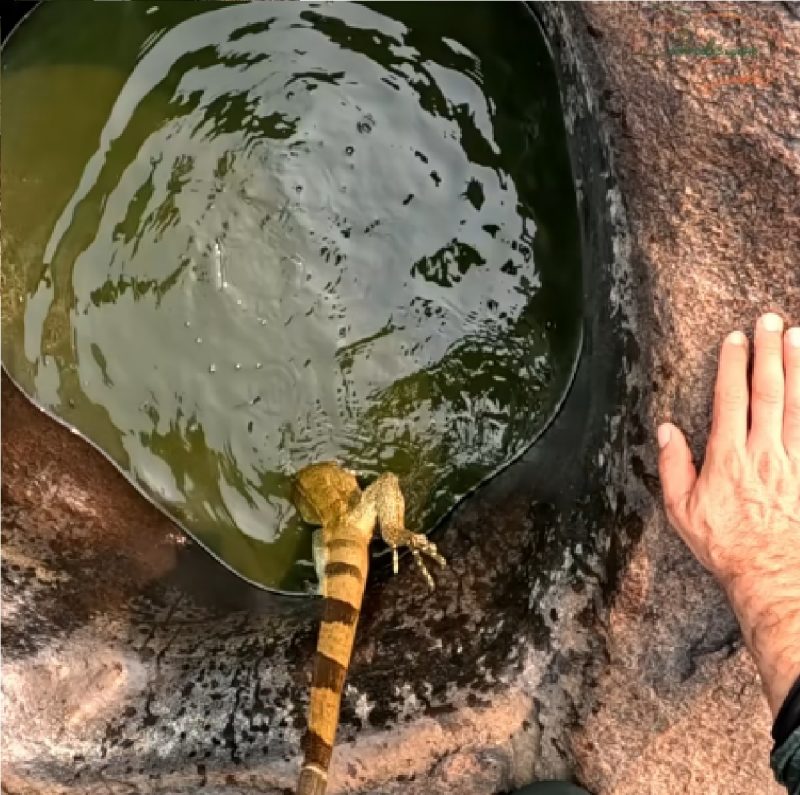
(677, 472)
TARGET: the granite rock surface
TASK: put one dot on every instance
(588, 644)
(707, 153)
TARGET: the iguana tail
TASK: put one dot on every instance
(346, 565)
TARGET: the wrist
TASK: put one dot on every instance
(768, 609)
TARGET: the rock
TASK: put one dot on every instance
(708, 162)
(572, 633)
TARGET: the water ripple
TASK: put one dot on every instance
(266, 234)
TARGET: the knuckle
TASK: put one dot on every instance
(672, 505)
(729, 462)
(769, 466)
(766, 466)
(730, 398)
(717, 555)
(792, 411)
(677, 509)
(785, 487)
(684, 508)
(768, 394)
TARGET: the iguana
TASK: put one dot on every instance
(326, 494)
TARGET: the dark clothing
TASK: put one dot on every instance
(785, 758)
(786, 763)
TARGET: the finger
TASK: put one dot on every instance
(791, 409)
(729, 424)
(766, 405)
(678, 475)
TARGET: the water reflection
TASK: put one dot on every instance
(266, 234)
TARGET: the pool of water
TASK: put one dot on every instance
(242, 237)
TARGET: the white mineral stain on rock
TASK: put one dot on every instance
(66, 697)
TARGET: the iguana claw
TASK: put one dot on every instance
(419, 545)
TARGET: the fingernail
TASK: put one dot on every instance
(793, 335)
(736, 338)
(771, 322)
(664, 434)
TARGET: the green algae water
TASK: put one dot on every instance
(238, 238)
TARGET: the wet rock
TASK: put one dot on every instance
(708, 162)
(132, 663)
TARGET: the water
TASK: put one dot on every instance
(239, 238)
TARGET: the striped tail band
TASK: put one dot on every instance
(345, 575)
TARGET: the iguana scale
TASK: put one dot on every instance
(329, 496)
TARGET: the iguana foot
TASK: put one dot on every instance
(419, 545)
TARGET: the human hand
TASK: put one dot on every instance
(741, 515)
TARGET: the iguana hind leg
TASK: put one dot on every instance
(390, 505)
